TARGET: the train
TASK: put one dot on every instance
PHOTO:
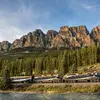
(92, 77)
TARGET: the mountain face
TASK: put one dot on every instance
(67, 37)
(95, 34)
(4, 46)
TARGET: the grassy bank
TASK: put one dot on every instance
(56, 89)
(89, 68)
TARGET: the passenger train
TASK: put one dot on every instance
(93, 77)
(82, 78)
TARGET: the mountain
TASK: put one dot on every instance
(67, 37)
(5, 46)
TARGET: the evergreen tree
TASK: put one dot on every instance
(5, 82)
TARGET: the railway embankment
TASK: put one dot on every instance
(57, 88)
(65, 84)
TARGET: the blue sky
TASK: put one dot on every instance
(18, 17)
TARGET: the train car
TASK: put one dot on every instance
(93, 77)
(20, 79)
(81, 78)
(96, 77)
(47, 79)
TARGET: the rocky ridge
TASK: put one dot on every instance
(67, 37)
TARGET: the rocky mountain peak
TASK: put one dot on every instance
(64, 28)
(4, 46)
(95, 34)
(29, 34)
(38, 32)
(97, 29)
(67, 37)
(51, 33)
(79, 29)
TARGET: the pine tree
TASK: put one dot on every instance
(5, 82)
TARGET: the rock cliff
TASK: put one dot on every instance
(95, 34)
(67, 37)
(4, 46)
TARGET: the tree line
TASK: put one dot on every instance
(66, 61)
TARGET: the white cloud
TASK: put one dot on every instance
(14, 24)
(88, 7)
(81, 5)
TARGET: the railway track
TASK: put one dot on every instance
(57, 84)
(63, 84)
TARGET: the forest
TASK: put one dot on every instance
(50, 62)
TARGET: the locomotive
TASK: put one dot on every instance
(93, 77)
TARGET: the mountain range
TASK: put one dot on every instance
(67, 37)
